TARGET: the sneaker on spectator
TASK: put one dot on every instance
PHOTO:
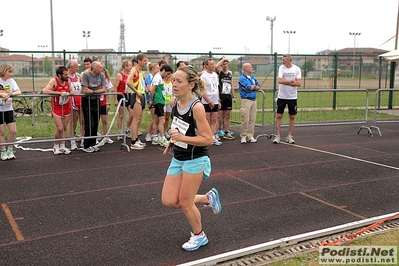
(95, 148)
(99, 137)
(231, 132)
(195, 242)
(119, 137)
(276, 139)
(56, 150)
(220, 133)
(216, 142)
(243, 140)
(73, 145)
(128, 133)
(155, 141)
(11, 154)
(252, 140)
(148, 137)
(136, 146)
(139, 133)
(101, 143)
(82, 143)
(167, 135)
(142, 143)
(65, 150)
(108, 140)
(163, 142)
(89, 149)
(290, 140)
(216, 136)
(228, 136)
(214, 201)
(4, 155)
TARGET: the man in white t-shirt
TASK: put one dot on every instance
(210, 97)
(289, 79)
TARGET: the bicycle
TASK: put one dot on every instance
(36, 105)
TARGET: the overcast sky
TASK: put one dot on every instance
(199, 26)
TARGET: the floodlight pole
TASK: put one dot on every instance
(354, 50)
(271, 19)
(289, 32)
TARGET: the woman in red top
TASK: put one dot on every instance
(60, 105)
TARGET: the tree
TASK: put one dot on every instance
(309, 65)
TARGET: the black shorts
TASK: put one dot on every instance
(292, 106)
(7, 117)
(159, 109)
(134, 100)
(103, 110)
(227, 102)
(208, 109)
(128, 100)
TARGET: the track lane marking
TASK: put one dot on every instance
(333, 205)
(12, 222)
(344, 156)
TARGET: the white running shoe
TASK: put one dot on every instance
(136, 146)
(148, 137)
(290, 140)
(56, 150)
(276, 139)
(216, 142)
(108, 140)
(4, 156)
(65, 150)
(73, 145)
(11, 154)
(252, 140)
(195, 242)
(89, 149)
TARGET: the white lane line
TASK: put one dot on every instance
(346, 157)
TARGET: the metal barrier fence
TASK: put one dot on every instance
(334, 107)
(386, 108)
(315, 108)
(34, 120)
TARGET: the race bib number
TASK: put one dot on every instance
(63, 100)
(226, 88)
(77, 87)
(182, 127)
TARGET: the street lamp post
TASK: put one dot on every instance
(271, 19)
(1, 34)
(43, 46)
(354, 50)
(289, 32)
(86, 35)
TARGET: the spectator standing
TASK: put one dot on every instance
(93, 84)
(76, 101)
(210, 97)
(8, 89)
(136, 83)
(248, 85)
(227, 97)
(60, 105)
(289, 79)
(121, 87)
